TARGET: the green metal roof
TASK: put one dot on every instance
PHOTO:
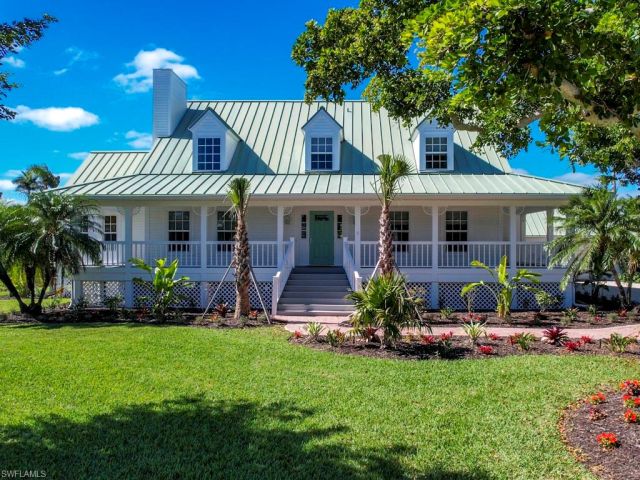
(206, 184)
(271, 153)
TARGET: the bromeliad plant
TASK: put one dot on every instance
(474, 330)
(164, 283)
(386, 305)
(506, 286)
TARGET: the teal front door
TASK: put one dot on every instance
(321, 238)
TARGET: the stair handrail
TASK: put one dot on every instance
(285, 265)
(349, 265)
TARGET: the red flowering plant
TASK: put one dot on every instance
(622, 313)
(428, 339)
(485, 349)
(631, 387)
(586, 339)
(597, 398)
(630, 401)
(630, 416)
(494, 336)
(572, 346)
(608, 440)
(297, 334)
(555, 336)
(445, 339)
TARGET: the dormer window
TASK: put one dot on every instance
(322, 140)
(321, 153)
(433, 146)
(435, 156)
(209, 149)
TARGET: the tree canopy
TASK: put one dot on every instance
(14, 36)
(36, 178)
(494, 67)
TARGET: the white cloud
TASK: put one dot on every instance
(579, 178)
(12, 173)
(76, 55)
(62, 71)
(520, 171)
(141, 79)
(59, 119)
(138, 139)
(7, 185)
(15, 62)
(78, 155)
(64, 176)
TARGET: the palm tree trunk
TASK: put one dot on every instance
(6, 280)
(385, 263)
(621, 290)
(241, 261)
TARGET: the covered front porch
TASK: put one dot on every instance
(434, 242)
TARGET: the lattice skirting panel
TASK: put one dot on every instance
(480, 299)
(527, 300)
(421, 290)
(96, 292)
(227, 294)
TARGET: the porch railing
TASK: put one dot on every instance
(113, 254)
(406, 254)
(282, 276)
(187, 253)
(263, 254)
(461, 254)
(349, 265)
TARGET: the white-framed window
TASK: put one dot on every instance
(321, 153)
(110, 228)
(209, 154)
(179, 223)
(399, 229)
(225, 229)
(435, 153)
(456, 230)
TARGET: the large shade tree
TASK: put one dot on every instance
(14, 36)
(239, 193)
(493, 67)
(46, 236)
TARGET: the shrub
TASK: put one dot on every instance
(593, 310)
(493, 336)
(298, 335)
(314, 329)
(474, 330)
(630, 401)
(597, 398)
(336, 338)
(586, 339)
(630, 416)
(523, 340)
(446, 313)
(545, 300)
(569, 316)
(607, 440)
(485, 349)
(555, 335)
(113, 303)
(222, 309)
(631, 387)
(623, 312)
(428, 339)
(572, 346)
(385, 304)
(619, 343)
(163, 282)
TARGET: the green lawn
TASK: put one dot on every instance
(11, 305)
(94, 401)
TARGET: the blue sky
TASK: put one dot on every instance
(84, 85)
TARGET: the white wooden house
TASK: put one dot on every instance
(312, 170)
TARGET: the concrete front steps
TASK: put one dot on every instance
(316, 291)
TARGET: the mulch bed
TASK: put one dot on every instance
(579, 432)
(532, 319)
(460, 349)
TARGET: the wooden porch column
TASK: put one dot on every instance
(357, 234)
(550, 229)
(128, 255)
(513, 248)
(435, 229)
(203, 235)
(280, 234)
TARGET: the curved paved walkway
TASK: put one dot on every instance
(299, 323)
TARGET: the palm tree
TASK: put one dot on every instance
(36, 178)
(46, 236)
(392, 170)
(239, 193)
(601, 237)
